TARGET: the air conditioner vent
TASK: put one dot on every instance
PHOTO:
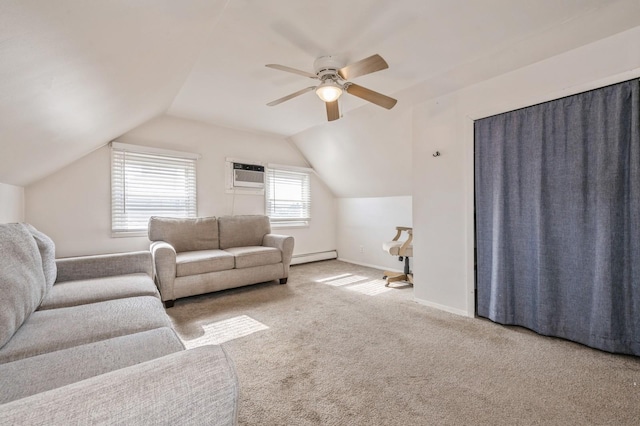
(248, 176)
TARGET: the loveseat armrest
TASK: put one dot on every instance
(197, 387)
(104, 265)
(164, 265)
(285, 244)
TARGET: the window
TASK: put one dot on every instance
(149, 182)
(288, 196)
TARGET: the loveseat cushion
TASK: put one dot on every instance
(22, 281)
(242, 231)
(203, 261)
(80, 292)
(247, 257)
(43, 372)
(47, 250)
(56, 329)
(185, 234)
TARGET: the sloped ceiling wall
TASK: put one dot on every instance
(369, 152)
(76, 74)
(366, 155)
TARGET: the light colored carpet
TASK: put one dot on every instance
(323, 351)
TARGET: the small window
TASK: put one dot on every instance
(288, 196)
(149, 182)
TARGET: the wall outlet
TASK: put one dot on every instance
(361, 249)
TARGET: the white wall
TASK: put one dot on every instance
(365, 158)
(11, 203)
(73, 205)
(365, 223)
(443, 186)
(365, 154)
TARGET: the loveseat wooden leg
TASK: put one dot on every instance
(168, 304)
(283, 280)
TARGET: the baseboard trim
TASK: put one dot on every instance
(313, 257)
(369, 265)
(445, 308)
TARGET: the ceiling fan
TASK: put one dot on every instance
(334, 81)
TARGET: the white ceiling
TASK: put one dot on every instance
(420, 39)
(75, 74)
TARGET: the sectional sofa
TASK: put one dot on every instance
(87, 341)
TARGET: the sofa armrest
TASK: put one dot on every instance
(197, 386)
(105, 265)
(164, 264)
(285, 244)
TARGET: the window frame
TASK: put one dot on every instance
(306, 196)
(153, 158)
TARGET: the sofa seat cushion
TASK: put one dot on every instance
(203, 261)
(56, 329)
(247, 257)
(43, 372)
(198, 386)
(80, 292)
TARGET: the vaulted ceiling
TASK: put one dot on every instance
(75, 74)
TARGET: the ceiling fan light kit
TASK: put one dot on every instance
(329, 91)
(333, 77)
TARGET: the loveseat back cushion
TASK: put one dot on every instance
(47, 250)
(185, 234)
(241, 231)
(22, 283)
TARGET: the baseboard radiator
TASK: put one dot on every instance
(313, 257)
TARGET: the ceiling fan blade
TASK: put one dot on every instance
(371, 96)
(292, 70)
(291, 96)
(365, 66)
(333, 111)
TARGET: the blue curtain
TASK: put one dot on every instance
(558, 218)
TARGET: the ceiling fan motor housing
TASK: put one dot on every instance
(327, 66)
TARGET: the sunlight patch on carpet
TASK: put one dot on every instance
(324, 280)
(343, 280)
(370, 288)
(223, 331)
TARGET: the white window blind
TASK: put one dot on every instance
(151, 183)
(288, 196)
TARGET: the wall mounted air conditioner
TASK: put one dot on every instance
(248, 176)
(242, 176)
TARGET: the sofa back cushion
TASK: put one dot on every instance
(22, 282)
(184, 234)
(47, 250)
(243, 231)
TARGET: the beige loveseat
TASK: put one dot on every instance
(202, 255)
(87, 341)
